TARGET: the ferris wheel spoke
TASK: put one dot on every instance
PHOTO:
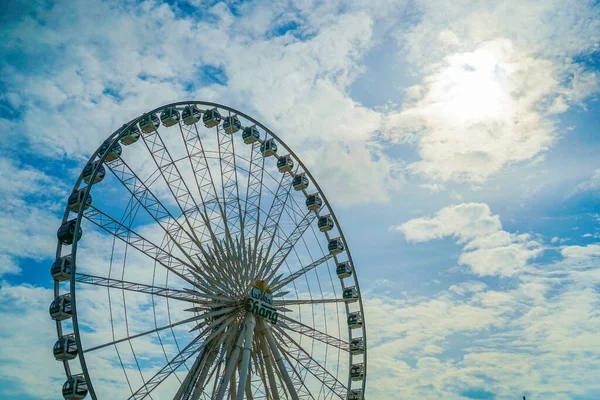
(232, 211)
(153, 206)
(271, 224)
(297, 353)
(211, 209)
(276, 210)
(303, 329)
(135, 240)
(174, 294)
(289, 242)
(295, 275)
(226, 264)
(169, 326)
(175, 182)
(251, 219)
(284, 303)
(138, 335)
(188, 351)
(297, 379)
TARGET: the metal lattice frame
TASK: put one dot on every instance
(226, 219)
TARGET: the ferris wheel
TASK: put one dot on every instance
(209, 265)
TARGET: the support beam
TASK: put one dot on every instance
(250, 323)
(231, 364)
(279, 361)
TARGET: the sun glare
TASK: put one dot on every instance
(474, 87)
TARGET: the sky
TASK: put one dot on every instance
(456, 141)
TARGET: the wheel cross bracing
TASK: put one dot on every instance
(202, 275)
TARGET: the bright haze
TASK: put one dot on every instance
(457, 142)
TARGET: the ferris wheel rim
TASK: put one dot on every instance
(113, 139)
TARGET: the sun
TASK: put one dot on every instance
(474, 87)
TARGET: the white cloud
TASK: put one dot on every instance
(593, 183)
(27, 360)
(28, 222)
(489, 83)
(488, 249)
(8, 265)
(299, 88)
(538, 336)
(465, 221)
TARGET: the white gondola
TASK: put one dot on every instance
(335, 246)
(343, 270)
(114, 151)
(190, 115)
(211, 118)
(65, 348)
(357, 346)
(314, 202)
(250, 134)
(169, 116)
(350, 294)
(60, 308)
(355, 320)
(355, 394)
(76, 201)
(325, 223)
(130, 136)
(61, 268)
(75, 388)
(300, 182)
(357, 372)
(89, 170)
(66, 232)
(149, 123)
(285, 163)
(232, 124)
(268, 148)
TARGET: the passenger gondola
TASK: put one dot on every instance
(285, 163)
(149, 123)
(343, 270)
(65, 348)
(231, 124)
(75, 388)
(169, 116)
(130, 136)
(89, 170)
(250, 134)
(211, 118)
(314, 202)
(190, 115)
(60, 308)
(268, 148)
(335, 246)
(76, 200)
(61, 269)
(114, 151)
(325, 223)
(300, 182)
(66, 232)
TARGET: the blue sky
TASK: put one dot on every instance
(457, 142)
